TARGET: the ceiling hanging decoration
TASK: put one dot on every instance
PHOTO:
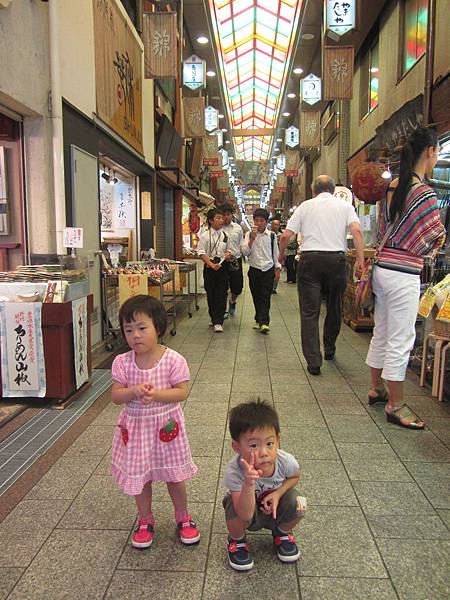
(254, 41)
(341, 15)
(311, 89)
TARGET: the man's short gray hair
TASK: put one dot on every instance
(323, 183)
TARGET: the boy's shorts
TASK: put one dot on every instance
(286, 512)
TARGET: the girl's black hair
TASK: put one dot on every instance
(421, 139)
(144, 305)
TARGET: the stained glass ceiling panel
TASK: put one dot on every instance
(254, 41)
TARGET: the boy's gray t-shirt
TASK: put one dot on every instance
(286, 466)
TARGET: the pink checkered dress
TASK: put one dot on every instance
(150, 441)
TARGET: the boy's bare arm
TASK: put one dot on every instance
(244, 501)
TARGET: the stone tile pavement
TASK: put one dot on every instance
(378, 521)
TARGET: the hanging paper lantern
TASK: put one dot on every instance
(367, 183)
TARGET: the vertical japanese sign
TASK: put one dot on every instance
(292, 163)
(311, 89)
(338, 72)
(23, 365)
(281, 184)
(160, 45)
(131, 285)
(210, 151)
(194, 72)
(310, 129)
(211, 118)
(292, 136)
(194, 117)
(118, 73)
(341, 16)
(80, 340)
(126, 206)
(73, 237)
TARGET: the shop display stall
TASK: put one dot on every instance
(45, 330)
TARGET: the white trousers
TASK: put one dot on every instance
(396, 304)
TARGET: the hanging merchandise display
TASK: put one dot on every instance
(292, 136)
(160, 45)
(338, 72)
(310, 129)
(311, 89)
(194, 73)
(368, 185)
(211, 118)
(194, 117)
(341, 15)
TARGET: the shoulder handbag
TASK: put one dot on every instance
(364, 285)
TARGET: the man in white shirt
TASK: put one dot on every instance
(235, 237)
(323, 222)
(261, 247)
(212, 249)
(275, 226)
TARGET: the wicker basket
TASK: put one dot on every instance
(441, 328)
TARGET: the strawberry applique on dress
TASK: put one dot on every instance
(170, 431)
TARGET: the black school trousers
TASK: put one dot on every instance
(261, 286)
(216, 287)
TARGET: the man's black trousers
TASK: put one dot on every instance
(320, 274)
(261, 286)
(216, 287)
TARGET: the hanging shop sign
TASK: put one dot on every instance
(73, 237)
(250, 171)
(281, 163)
(292, 137)
(22, 349)
(118, 68)
(292, 163)
(225, 163)
(217, 169)
(219, 135)
(210, 151)
(126, 206)
(132, 284)
(4, 212)
(310, 129)
(341, 15)
(160, 44)
(264, 172)
(223, 183)
(80, 340)
(311, 89)
(216, 174)
(338, 72)
(194, 117)
(211, 118)
(194, 73)
(281, 184)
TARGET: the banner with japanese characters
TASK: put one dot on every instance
(80, 340)
(292, 163)
(310, 129)
(132, 284)
(281, 184)
(22, 348)
(160, 45)
(118, 72)
(338, 72)
(194, 117)
(210, 151)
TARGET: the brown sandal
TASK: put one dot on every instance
(383, 397)
(400, 413)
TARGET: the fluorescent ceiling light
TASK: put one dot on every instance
(211, 73)
(286, 114)
(298, 70)
(291, 95)
(221, 116)
(202, 39)
(308, 36)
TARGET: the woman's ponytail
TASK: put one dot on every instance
(420, 139)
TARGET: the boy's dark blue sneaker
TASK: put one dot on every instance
(238, 555)
(232, 309)
(285, 546)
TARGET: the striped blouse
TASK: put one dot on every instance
(414, 235)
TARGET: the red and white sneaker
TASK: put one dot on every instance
(143, 534)
(188, 532)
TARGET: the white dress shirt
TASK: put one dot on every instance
(260, 254)
(211, 243)
(323, 222)
(235, 236)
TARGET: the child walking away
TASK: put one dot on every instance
(260, 481)
(150, 442)
(261, 247)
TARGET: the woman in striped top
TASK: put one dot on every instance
(412, 229)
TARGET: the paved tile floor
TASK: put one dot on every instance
(378, 522)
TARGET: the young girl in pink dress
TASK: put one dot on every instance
(150, 442)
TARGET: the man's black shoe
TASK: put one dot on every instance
(329, 355)
(313, 370)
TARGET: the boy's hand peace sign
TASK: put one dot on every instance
(250, 473)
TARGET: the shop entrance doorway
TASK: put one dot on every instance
(86, 215)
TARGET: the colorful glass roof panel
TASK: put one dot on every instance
(254, 40)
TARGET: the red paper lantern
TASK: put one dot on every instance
(367, 183)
